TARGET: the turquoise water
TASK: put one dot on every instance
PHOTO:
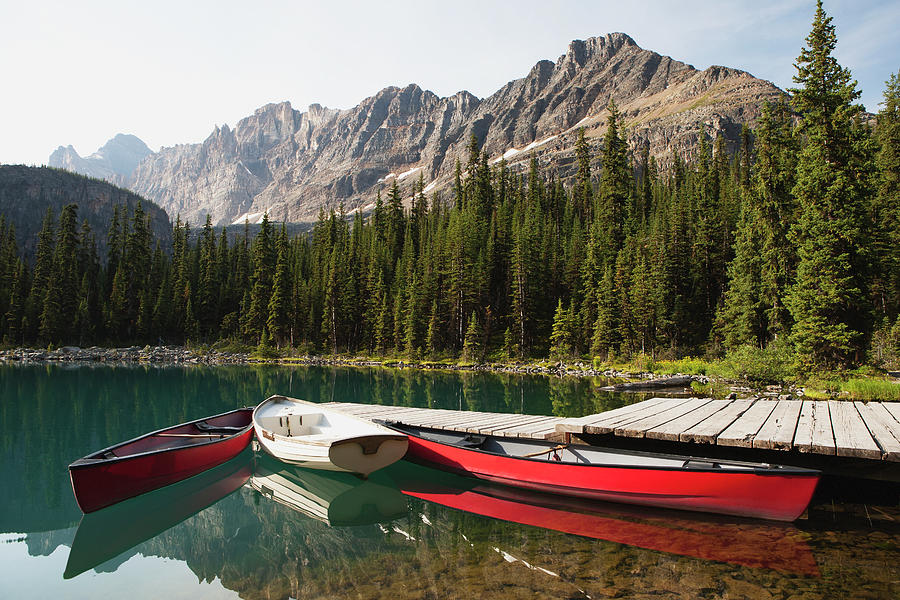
(254, 528)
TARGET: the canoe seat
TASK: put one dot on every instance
(471, 441)
(207, 428)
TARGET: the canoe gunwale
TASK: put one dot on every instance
(96, 458)
(761, 469)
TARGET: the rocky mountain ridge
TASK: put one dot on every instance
(291, 163)
(117, 158)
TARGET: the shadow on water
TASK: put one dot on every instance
(267, 530)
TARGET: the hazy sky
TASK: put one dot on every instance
(170, 71)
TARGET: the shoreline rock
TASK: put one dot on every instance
(178, 355)
(133, 354)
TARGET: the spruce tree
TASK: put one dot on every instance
(887, 204)
(828, 300)
(261, 281)
(472, 346)
(279, 321)
(61, 298)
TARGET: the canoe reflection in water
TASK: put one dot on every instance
(336, 498)
(342, 499)
(732, 540)
(109, 532)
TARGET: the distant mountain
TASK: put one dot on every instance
(117, 158)
(27, 192)
(293, 163)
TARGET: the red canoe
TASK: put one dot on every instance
(663, 480)
(159, 458)
(757, 545)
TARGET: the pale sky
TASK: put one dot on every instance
(170, 71)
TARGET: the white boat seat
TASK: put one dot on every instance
(293, 424)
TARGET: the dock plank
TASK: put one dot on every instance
(742, 432)
(672, 430)
(893, 408)
(640, 427)
(637, 411)
(851, 436)
(494, 419)
(814, 431)
(777, 433)
(883, 427)
(504, 428)
(490, 428)
(707, 430)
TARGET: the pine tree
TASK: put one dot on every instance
(261, 281)
(828, 301)
(754, 311)
(615, 189)
(13, 333)
(61, 298)
(561, 339)
(472, 347)
(887, 204)
(279, 321)
(40, 278)
(583, 192)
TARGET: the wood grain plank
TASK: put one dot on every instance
(851, 436)
(488, 425)
(777, 433)
(672, 430)
(638, 411)
(479, 419)
(883, 427)
(504, 428)
(707, 430)
(577, 424)
(814, 432)
(893, 408)
(640, 427)
(744, 429)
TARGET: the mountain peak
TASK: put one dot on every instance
(116, 158)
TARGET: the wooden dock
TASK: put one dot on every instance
(833, 428)
(816, 427)
(502, 424)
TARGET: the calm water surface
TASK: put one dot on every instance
(254, 528)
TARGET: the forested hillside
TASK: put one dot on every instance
(791, 245)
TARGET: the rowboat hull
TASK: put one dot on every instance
(157, 459)
(665, 481)
(316, 437)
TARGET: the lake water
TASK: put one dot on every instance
(254, 528)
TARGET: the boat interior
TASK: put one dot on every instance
(579, 453)
(293, 424)
(188, 434)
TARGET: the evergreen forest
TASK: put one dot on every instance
(789, 245)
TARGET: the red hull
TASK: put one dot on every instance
(154, 460)
(778, 496)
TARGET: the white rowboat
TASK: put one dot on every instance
(316, 437)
